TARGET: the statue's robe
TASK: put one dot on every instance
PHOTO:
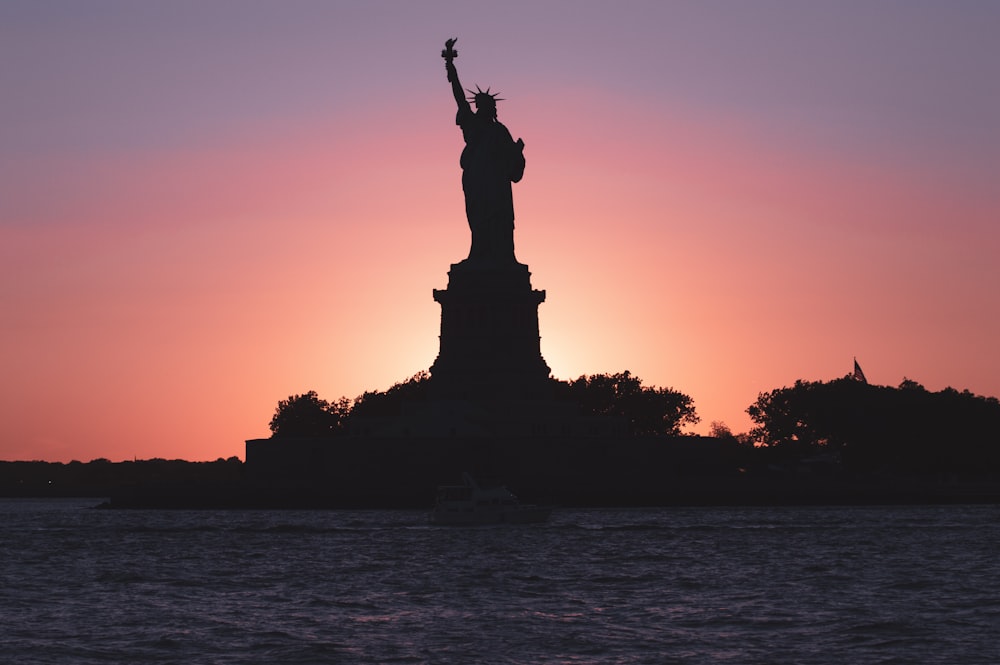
(491, 161)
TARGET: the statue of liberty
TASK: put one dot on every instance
(491, 161)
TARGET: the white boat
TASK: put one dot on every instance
(470, 503)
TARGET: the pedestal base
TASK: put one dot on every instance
(489, 335)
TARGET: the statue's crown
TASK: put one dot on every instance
(481, 96)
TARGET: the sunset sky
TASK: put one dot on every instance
(206, 207)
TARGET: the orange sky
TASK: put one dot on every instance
(718, 212)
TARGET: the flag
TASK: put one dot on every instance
(858, 374)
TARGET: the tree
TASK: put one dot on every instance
(308, 416)
(648, 410)
(879, 427)
(720, 430)
(807, 415)
(376, 404)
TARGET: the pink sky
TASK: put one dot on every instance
(207, 208)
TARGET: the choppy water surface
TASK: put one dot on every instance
(760, 585)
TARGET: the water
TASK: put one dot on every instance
(707, 585)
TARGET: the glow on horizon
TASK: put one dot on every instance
(160, 299)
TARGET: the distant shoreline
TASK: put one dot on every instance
(176, 484)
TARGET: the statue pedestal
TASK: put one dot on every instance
(489, 335)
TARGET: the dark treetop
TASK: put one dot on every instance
(491, 161)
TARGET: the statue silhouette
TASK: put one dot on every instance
(491, 161)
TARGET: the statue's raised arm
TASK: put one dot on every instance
(449, 54)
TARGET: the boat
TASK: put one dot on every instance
(471, 504)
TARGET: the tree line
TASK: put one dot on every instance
(101, 477)
(864, 427)
(873, 428)
(647, 410)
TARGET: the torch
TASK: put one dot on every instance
(449, 53)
